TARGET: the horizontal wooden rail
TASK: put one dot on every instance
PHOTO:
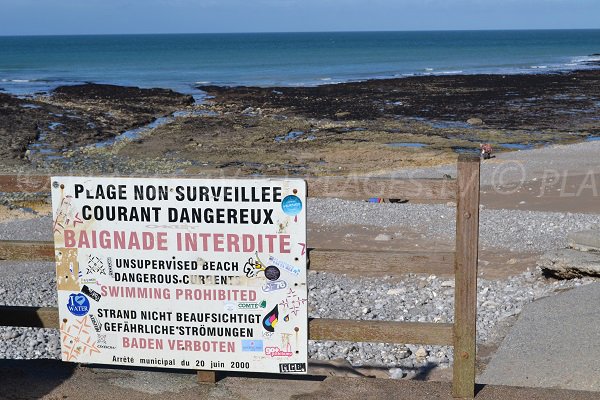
(379, 262)
(26, 250)
(319, 328)
(369, 263)
(31, 317)
(24, 183)
(380, 331)
(350, 188)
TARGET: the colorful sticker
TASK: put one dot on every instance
(252, 345)
(78, 304)
(270, 320)
(292, 206)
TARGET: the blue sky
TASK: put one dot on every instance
(35, 17)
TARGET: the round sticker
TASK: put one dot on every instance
(78, 304)
(272, 273)
(291, 205)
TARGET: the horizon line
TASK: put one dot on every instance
(296, 32)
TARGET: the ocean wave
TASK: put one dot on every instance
(538, 66)
(325, 79)
(202, 82)
(586, 59)
(19, 80)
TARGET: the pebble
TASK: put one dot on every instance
(382, 237)
(421, 353)
(396, 373)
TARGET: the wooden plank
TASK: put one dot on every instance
(380, 331)
(319, 329)
(370, 263)
(351, 187)
(361, 188)
(26, 250)
(34, 317)
(465, 303)
(377, 263)
(24, 183)
(207, 376)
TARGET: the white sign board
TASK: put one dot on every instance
(203, 274)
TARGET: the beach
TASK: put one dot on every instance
(512, 240)
(539, 187)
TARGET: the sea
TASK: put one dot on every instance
(33, 64)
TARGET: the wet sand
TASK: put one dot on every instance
(560, 193)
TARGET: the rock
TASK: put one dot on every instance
(10, 335)
(382, 237)
(421, 354)
(396, 373)
(397, 291)
(584, 240)
(475, 121)
(568, 264)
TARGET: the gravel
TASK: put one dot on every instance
(417, 299)
(412, 298)
(514, 230)
(29, 229)
(28, 284)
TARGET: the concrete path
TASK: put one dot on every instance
(554, 344)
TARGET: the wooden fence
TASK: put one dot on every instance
(461, 334)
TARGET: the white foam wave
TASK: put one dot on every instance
(584, 59)
(539, 66)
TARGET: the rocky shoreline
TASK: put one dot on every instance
(72, 117)
(348, 128)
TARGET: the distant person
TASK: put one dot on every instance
(486, 151)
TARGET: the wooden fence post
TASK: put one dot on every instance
(465, 268)
(207, 376)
